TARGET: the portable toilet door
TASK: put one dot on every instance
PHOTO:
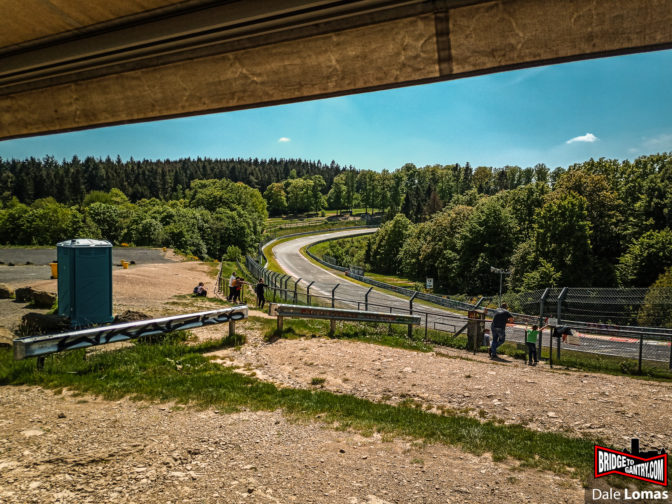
(85, 281)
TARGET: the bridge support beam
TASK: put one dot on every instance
(248, 54)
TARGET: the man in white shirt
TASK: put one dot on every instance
(232, 279)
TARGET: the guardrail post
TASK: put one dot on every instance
(366, 299)
(232, 328)
(280, 323)
(308, 300)
(295, 293)
(332, 327)
(333, 299)
(410, 309)
(426, 314)
(561, 298)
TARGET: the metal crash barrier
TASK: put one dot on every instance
(333, 314)
(39, 346)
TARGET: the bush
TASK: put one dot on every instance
(232, 253)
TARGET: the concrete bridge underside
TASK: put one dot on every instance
(74, 64)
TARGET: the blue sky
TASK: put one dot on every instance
(617, 107)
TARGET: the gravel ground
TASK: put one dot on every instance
(612, 408)
(67, 448)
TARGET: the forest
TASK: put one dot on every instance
(598, 223)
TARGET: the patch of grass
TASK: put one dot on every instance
(272, 264)
(378, 334)
(317, 381)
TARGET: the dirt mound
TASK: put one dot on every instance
(130, 316)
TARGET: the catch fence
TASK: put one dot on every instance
(594, 334)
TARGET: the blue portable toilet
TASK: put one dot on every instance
(85, 281)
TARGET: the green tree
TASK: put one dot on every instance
(646, 258)
(276, 199)
(487, 239)
(656, 309)
(387, 243)
(562, 232)
(336, 199)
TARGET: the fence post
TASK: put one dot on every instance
(426, 314)
(308, 300)
(295, 293)
(542, 301)
(410, 309)
(366, 299)
(561, 298)
(641, 345)
(333, 299)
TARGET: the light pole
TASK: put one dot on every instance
(501, 272)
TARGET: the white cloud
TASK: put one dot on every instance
(664, 140)
(588, 137)
(284, 140)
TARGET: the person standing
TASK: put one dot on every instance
(531, 342)
(259, 291)
(232, 280)
(498, 328)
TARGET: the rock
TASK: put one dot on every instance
(32, 432)
(6, 337)
(40, 323)
(61, 415)
(552, 414)
(43, 299)
(130, 316)
(23, 294)
(5, 292)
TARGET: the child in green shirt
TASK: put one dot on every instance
(531, 342)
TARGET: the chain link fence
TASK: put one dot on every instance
(603, 321)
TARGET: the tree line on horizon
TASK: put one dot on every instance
(598, 223)
(70, 181)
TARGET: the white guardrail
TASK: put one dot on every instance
(39, 346)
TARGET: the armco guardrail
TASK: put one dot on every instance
(447, 302)
(313, 312)
(39, 346)
(328, 264)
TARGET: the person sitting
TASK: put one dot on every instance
(199, 290)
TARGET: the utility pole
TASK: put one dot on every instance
(501, 272)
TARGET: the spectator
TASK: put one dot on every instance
(232, 279)
(498, 328)
(199, 290)
(531, 342)
(237, 286)
(259, 291)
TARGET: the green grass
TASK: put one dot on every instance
(318, 227)
(171, 371)
(378, 334)
(272, 264)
